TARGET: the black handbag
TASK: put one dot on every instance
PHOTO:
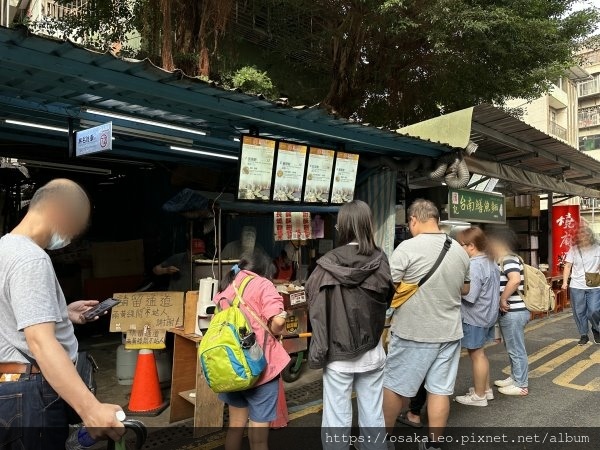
(86, 368)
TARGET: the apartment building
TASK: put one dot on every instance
(589, 105)
(12, 11)
(555, 113)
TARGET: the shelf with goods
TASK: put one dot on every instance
(527, 231)
(524, 219)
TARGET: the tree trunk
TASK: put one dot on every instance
(167, 36)
(345, 57)
(204, 58)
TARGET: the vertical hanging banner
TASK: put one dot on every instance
(565, 223)
(292, 226)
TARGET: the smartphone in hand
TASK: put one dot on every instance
(101, 308)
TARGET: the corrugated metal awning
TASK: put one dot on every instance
(512, 144)
(51, 82)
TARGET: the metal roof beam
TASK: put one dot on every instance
(26, 57)
(520, 145)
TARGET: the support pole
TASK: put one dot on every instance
(191, 262)
(218, 243)
(551, 261)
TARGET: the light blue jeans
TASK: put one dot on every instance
(586, 309)
(512, 325)
(337, 410)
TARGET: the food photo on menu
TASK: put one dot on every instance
(318, 176)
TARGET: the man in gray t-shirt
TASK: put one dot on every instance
(37, 343)
(426, 330)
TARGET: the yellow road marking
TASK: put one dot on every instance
(219, 439)
(566, 378)
(558, 361)
(528, 329)
(554, 363)
(544, 322)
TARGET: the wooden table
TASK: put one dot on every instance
(188, 378)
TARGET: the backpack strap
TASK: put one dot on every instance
(242, 288)
(438, 262)
(240, 300)
(521, 293)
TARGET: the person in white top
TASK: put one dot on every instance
(348, 295)
(584, 257)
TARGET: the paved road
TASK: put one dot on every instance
(564, 393)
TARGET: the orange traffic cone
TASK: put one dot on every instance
(146, 396)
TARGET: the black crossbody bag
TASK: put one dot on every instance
(86, 368)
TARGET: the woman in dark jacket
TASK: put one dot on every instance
(348, 295)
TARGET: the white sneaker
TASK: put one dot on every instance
(472, 399)
(489, 394)
(514, 390)
(504, 383)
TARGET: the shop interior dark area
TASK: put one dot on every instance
(130, 232)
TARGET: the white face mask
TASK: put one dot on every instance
(57, 242)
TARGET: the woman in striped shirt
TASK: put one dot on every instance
(513, 312)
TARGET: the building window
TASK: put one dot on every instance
(587, 143)
(589, 117)
(590, 87)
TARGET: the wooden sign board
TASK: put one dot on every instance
(146, 316)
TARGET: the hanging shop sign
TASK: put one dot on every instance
(318, 175)
(344, 178)
(476, 206)
(94, 140)
(565, 223)
(289, 172)
(256, 168)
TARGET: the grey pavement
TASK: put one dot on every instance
(564, 393)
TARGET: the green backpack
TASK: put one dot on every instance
(231, 358)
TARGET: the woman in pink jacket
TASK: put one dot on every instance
(256, 406)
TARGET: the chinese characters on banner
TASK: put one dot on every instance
(476, 206)
(565, 223)
(292, 226)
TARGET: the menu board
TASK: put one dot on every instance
(256, 168)
(344, 178)
(318, 176)
(289, 172)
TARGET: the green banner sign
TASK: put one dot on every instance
(476, 206)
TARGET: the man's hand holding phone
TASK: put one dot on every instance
(84, 311)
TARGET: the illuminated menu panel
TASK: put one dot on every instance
(344, 178)
(256, 168)
(318, 175)
(289, 172)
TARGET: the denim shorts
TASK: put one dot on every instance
(476, 337)
(261, 401)
(409, 363)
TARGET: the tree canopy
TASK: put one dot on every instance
(386, 62)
